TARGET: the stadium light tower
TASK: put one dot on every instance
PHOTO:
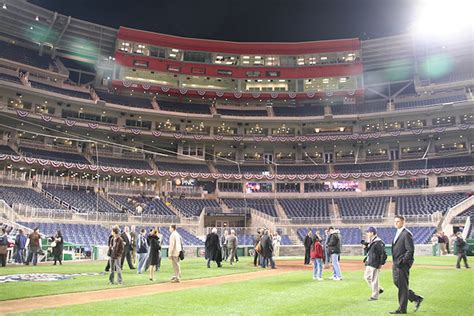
(441, 18)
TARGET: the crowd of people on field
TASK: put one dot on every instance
(142, 250)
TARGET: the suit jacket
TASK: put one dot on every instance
(403, 249)
(175, 244)
(126, 241)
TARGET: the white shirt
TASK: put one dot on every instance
(399, 231)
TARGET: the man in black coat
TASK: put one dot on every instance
(462, 248)
(213, 248)
(308, 241)
(127, 239)
(267, 250)
(403, 249)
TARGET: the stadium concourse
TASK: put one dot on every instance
(119, 132)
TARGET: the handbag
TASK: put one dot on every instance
(181, 253)
(258, 248)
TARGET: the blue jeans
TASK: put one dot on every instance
(19, 257)
(268, 261)
(326, 255)
(33, 255)
(115, 267)
(142, 257)
(336, 269)
(318, 268)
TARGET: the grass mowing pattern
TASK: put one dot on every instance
(191, 269)
(446, 291)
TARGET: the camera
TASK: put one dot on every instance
(364, 243)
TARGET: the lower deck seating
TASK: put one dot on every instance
(369, 207)
(85, 201)
(421, 235)
(192, 207)
(151, 206)
(306, 207)
(79, 234)
(428, 203)
(26, 196)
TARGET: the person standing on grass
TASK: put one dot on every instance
(116, 248)
(109, 242)
(225, 250)
(175, 247)
(267, 250)
(308, 240)
(58, 248)
(434, 245)
(334, 248)
(160, 238)
(34, 246)
(276, 244)
(127, 252)
(375, 258)
(20, 242)
(326, 249)
(232, 245)
(462, 248)
(155, 249)
(403, 249)
(213, 248)
(317, 255)
(133, 245)
(3, 247)
(256, 256)
(142, 250)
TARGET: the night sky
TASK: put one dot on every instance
(248, 20)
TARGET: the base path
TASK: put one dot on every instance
(52, 301)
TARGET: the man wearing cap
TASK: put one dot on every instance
(403, 249)
(375, 258)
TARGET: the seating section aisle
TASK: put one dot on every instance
(83, 200)
(7, 150)
(131, 101)
(192, 207)
(428, 203)
(266, 206)
(150, 206)
(27, 197)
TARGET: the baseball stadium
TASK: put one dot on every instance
(236, 157)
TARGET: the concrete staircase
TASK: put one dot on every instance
(280, 211)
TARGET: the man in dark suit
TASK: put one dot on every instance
(403, 250)
(127, 239)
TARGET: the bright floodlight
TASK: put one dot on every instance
(441, 17)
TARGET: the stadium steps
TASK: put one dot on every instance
(212, 167)
(391, 208)
(293, 236)
(270, 111)
(280, 211)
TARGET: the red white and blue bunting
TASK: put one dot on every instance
(290, 177)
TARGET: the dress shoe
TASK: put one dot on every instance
(397, 312)
(380, 291)
(372, 299)
(418, 302)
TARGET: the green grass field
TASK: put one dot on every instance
(447, 291)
